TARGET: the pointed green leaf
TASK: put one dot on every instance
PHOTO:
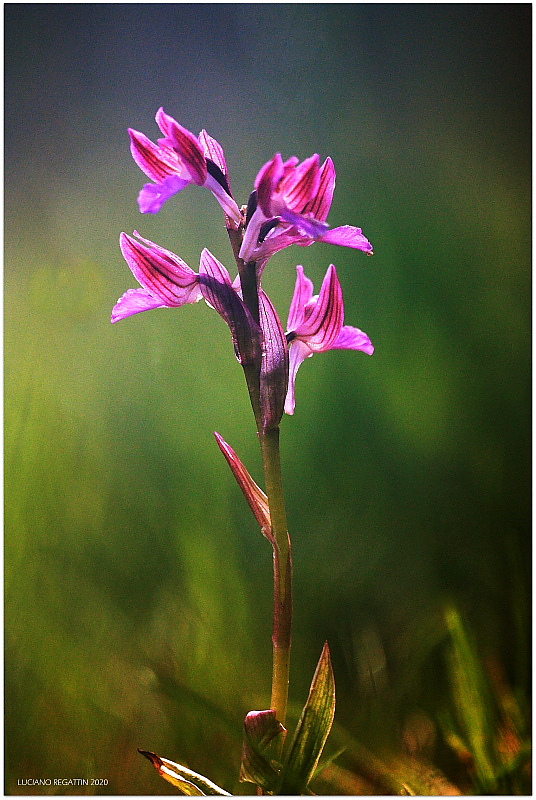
(188, 782)
(312, 730)
(261, 729)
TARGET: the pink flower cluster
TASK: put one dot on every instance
(289, 205)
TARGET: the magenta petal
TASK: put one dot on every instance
(289, 165)
(319, 205)
(157, 162)
(213, 150)
(351, 338)
(298, 352)
(347, 236)
(133, 302)
(303, 292)
(185, 144)
(268, 177)
(153, 195)
(164, 121)
(301, 184)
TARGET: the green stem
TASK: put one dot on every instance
(281, 638)
(271, 459)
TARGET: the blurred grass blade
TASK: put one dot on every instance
(261, 729)
(312, 730)
(473, 699)
(188, 782)
(326, 762)
(420, 778)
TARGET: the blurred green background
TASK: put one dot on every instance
(137, 586)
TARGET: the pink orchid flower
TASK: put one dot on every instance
(176, 161)
(291, 205)
(166, 280)
(316, 324)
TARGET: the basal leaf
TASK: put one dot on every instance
(258, 766)
(312, 730)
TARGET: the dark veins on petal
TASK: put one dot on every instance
(266, 228)
(252, 206)
(218, 175)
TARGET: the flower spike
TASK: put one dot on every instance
(289, 205)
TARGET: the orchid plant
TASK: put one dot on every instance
(288, 206)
